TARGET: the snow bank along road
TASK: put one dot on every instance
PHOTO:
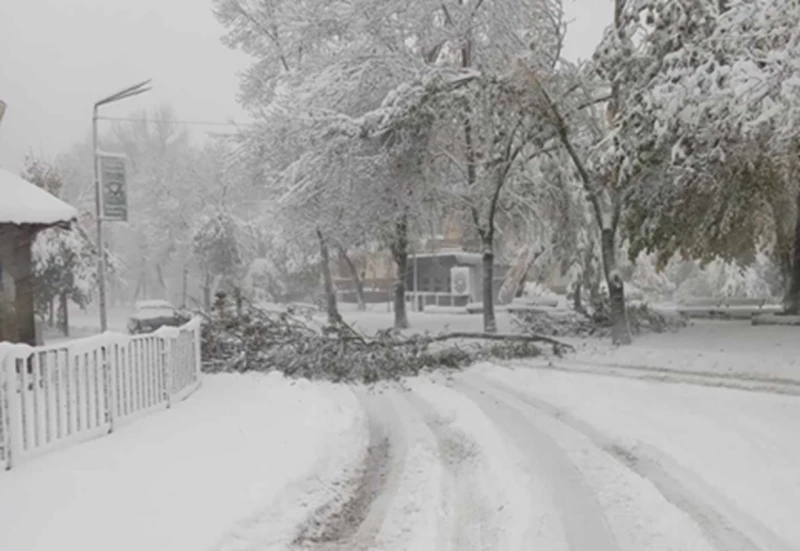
(494, 458)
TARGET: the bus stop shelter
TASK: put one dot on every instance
(25, 210)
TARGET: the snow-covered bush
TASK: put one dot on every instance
(725, 279)
(536, 289)
(596, 322)
(647, 283)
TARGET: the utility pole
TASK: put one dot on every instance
(98, 195)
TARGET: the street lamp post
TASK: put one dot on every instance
(98, 196)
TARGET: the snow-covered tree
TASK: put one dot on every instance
(164, 192)
(64, 269)
(289, 271)
(219, 241)
(64, 259)
(354, 75)
(493, 137)
(724, 108)
(569, 97)
(495, 128)
(615, 149)
(316, 64)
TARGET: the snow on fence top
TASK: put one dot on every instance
(56, 396)
(21, 202)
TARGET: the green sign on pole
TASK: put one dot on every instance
(115, 192)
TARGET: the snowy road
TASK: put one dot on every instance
(491, 459)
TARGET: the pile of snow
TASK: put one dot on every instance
(25, 203)
(186, 477)
(719, 347)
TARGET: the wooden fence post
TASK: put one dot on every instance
(14, 411)
(4, 440)
(110, 380)
(198, 332)
(166, 368)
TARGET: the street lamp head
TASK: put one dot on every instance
(134, 90)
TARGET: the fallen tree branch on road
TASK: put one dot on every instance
(256, 339)
(502, 337)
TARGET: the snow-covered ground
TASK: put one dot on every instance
(495, 458)
(719, 347)
(187, 477)
(684, 441)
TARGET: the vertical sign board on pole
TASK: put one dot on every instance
(114, 185)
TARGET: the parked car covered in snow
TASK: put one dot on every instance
(152, 314)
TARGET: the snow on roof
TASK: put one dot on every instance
(21, 202)
(460, 257)
(154, 303)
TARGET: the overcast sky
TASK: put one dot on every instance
(57, 57)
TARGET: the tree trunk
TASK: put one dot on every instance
(785, 266)
(64, 314)
(793, 304)
(521, 287)
(577, 299)
(238, 298)
(400, 254)
(400, 313)
(51, 314)
(330, 295)
(620, 332)
(357, 280)
(489, 320)
(781, 217)
(207, 291)
(590, 279)
(162, 283)
(185, 285)
(362, 302)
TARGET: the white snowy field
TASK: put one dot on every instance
(494, 458)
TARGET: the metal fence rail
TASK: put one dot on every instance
(57, 396)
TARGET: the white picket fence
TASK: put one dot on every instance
(57, 396)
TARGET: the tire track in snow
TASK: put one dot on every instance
(352, 520)
(583, 519)
(725, 526)
(273, 526)
(470, 520)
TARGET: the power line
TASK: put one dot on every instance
(194, 123)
